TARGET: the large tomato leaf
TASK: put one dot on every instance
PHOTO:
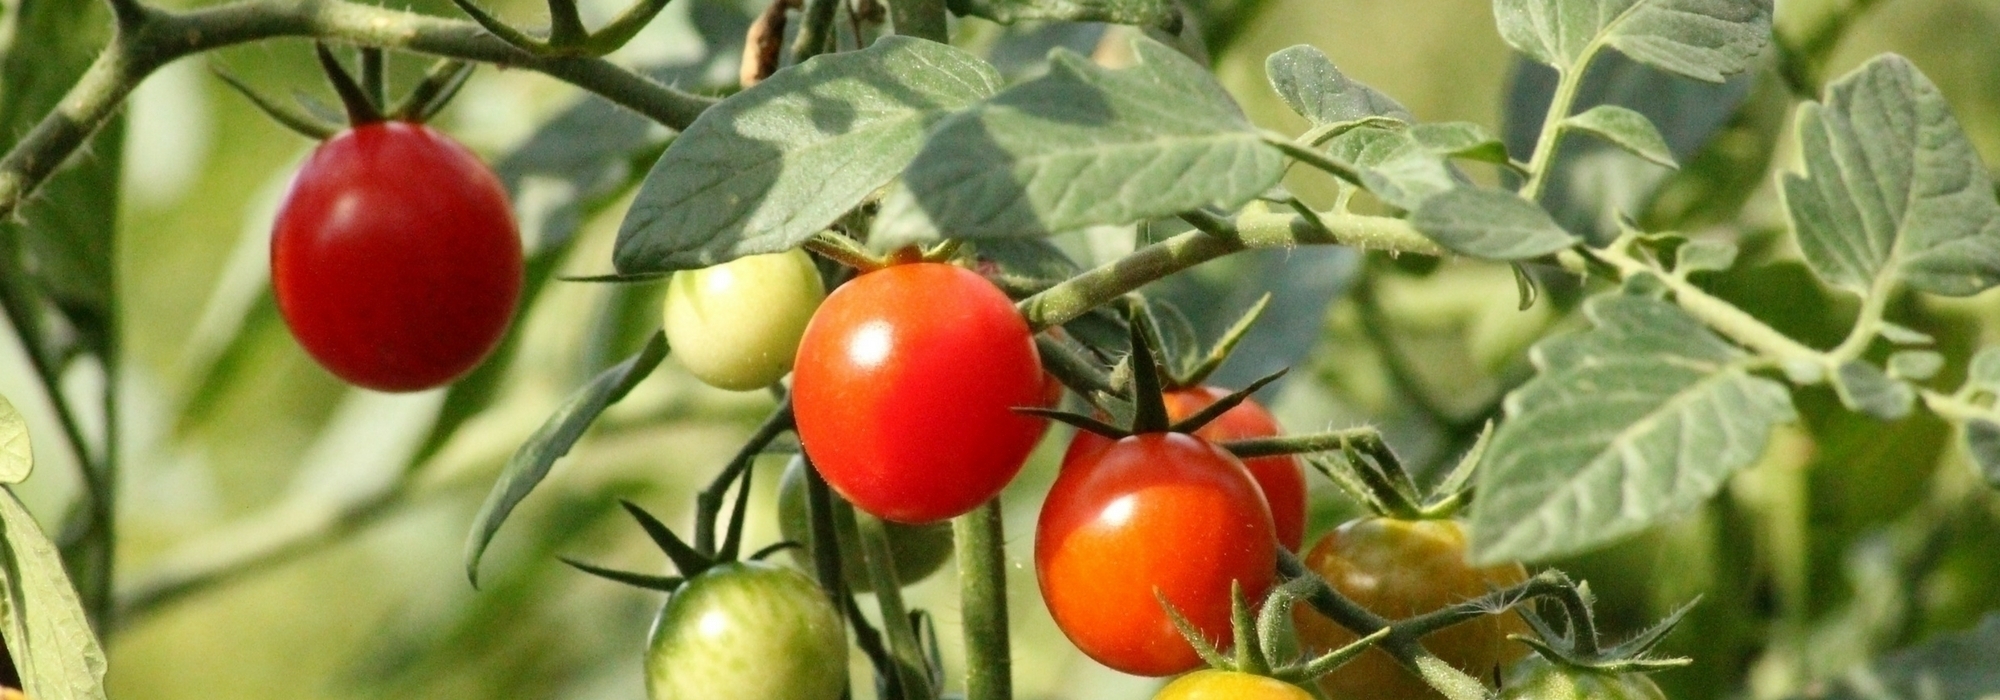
(1145, 13)
(531, 463)
(41, 617)
(1701, 39)
(772, 165)
(1084, 145)
(1893, 189)
(1639, 419)
(1316, 90)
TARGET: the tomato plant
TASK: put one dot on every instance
(1282, 478)
(737, 325)
(919, 550)
(905, 387)
(1537, 678)
(1155, 516)
(1211, 684)
(395, 258)
(1400, 568)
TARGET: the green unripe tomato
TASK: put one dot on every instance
(1536, 678)
(747, 631)
(737, 325)
(919, 550)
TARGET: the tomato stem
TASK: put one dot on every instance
(708, 503)
(982, 580)
(845, 251)
(911, 679)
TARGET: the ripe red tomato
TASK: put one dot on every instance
(1158, 511)
(1282, 478)
(1401, 568)
(904, 388)
(395, 258)
(1211, 684)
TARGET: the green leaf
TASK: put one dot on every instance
(1407, 166)
(1307, 81)
(1866, 388)
(17, 457)
(776, 163)
(42, 619)
(560, 432)
(1915, 365)
(1637, 420)
(1490, 224)
(1144, 13)
(1701, 39)
(1892, 187)
(1984, 372)
(1982, 441)
(1627, 129)
(1704, 256)
(1950, 666)
(1084, 145)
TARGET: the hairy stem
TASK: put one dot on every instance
(982, 581)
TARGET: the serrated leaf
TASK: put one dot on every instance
(1956, 665)
(1316, 90)
(1144, 13)
(553, 440)
(1490, 224)
(1405, 167)
(1639, 419)
(1982, 441)
(1701, 39)
(1866, 388)
(1892, 187)
(1084, 145)
(1705, 256)
(1915, 365)
(774, 164)
(42, 619)
(1627, 129)
(17, 456)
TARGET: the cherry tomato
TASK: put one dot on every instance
(1211, 684)
(1536, 678)
(736, 325)
(1400, 568)
(904, 389)
(747, 631)
(1158, 511)
(1282, 478)
(919, 550)
(395, 259)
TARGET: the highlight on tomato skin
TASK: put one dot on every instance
(395, 258)
(905, 387)
(1157, 512)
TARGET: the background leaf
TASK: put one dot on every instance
(1145, 13)
(17, 457)
(778, 162)
(1701, 39)
(1627, 129)
(1489, 223)
(1953, 666)
(553, 440)
(44, 625)
(1316, 90)
(1084, 145)
(1641, 418)
(1892, 186)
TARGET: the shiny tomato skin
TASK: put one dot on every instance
(1159, 511)
(395, 258)
(1536, 678)
(1398, 569)
(737, 325)
(1211, 684)
(918, 550)
(904, 390)
(747, 631)
(1282, 478)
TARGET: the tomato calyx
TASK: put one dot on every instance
(1577, 646)
(364, 100)
(851, 253)
(1257, 637)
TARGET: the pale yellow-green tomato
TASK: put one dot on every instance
(737, 325)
